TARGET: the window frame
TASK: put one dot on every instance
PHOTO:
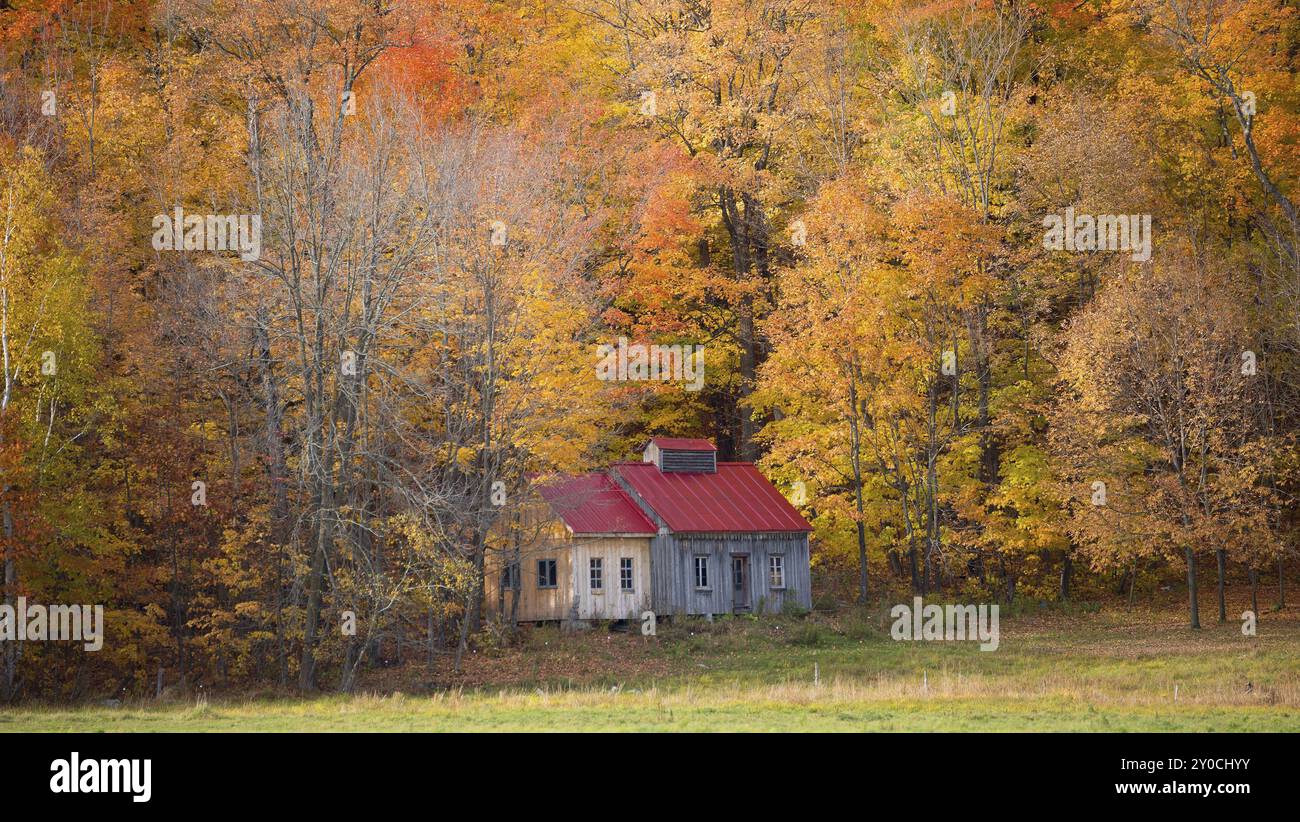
(775, 562)
(596, 575)
(511, 576)
(554, 577)
(627, 575)
(701, 562)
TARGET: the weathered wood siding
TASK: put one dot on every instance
(612, 602)
(535, 603)
(673, 569)
(572, 598)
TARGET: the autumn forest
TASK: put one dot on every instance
(297, 298)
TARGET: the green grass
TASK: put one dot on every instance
(1114, 670)
(781, 710)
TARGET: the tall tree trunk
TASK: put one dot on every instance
(1191, 588)
(977, 328)
(748, 375)
(862, 553)
(932, 544)
(904, 491)
(462, 643)
(11, 649)
(515, 590)
(1008, 580)
(1067, 574)
(429, 645)
(1179, 462)
(348, 680)
(895, 564)
(277, 473)
(1222, 557)
(315, 582)
(1281, 585)
(855, 442)
(1122, 588)
(476, 607)
(741, 217)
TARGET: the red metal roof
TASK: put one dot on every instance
(682, 444)
(735, 499)
(594, 504)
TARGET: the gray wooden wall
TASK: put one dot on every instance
(673, 571)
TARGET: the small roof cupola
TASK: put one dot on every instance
(674, 455)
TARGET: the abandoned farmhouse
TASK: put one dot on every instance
(677, 533)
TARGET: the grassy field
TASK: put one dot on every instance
(1115, 669)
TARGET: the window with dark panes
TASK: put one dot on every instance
(510, 577)
(701, 572)
(546, 573)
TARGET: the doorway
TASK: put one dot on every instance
(740, 583)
